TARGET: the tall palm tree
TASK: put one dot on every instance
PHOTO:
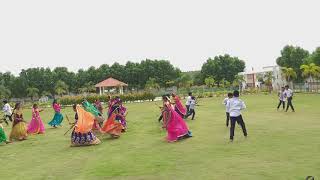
(310, 71)
(87, 88)
(238, 80)
(32, 92)
(268, 80)
(289, 74)
(61, 88)
(152, 84)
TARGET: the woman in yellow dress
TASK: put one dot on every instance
(19, 128)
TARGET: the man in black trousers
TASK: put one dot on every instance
(289, 94)
(234, 106)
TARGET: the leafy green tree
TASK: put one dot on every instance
(118, 71)
(238, 80)
(87, 88)
(198, 79)
(63, 74)
(227, 84)
(40, 78)
(310, 71)
(314, 57)
(132, 75)
(160, 70)
(46, 93)
(5, 93)
(268, 76)
(293, 57)
(289, 74)
(152, 84)
(61, 88)
(170, 83)
(184, 81)
(7, 82)
(222, 67)
(209, 81)
(32, 92)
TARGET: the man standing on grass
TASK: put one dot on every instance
(225, 102)
(234, 106)
(282, 98)
(289, 94)
(7, 110)
(192, 108)
(188, 102)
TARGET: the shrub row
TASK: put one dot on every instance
(224, 93)
(69, 100)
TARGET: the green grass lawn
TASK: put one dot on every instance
(279, 146)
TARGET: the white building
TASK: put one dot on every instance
(252, 78)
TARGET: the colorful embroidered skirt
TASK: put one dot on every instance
(57, 119)
(112, 127)
(87, 139)
(19, 131)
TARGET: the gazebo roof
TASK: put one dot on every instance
(111, 82)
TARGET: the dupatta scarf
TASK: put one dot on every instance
(179, 106)
(85, 121)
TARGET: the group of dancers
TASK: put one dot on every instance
(88, 121)
(20, 129)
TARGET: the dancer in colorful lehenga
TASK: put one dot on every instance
(174, 124)
(82, 134)
(121, 116)
(57, 118)
(111, 103)
(36, 125)
(3, 137)
(19, 127)
(179, 108)
(113, 126)
(95, 112)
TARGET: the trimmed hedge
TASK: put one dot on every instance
(69, 100)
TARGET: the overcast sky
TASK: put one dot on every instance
(78, 34)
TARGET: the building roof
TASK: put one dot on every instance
(111, 82)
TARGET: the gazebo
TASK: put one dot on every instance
(109, 84)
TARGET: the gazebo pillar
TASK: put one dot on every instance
(100, 90)
(103, 90)
(121, 89)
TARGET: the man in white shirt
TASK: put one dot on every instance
(234, 106)
(225, 102)
(188, 102)
(7, 111)
(282, 98)
(192, 108)
(289, 95)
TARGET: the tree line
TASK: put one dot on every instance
(299, 64)
(222, 71)
(147, 74)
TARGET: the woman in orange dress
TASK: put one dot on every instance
(113, 126)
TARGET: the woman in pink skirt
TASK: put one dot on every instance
(176, 127)
(36, 125)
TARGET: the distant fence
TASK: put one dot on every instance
(307, 87)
